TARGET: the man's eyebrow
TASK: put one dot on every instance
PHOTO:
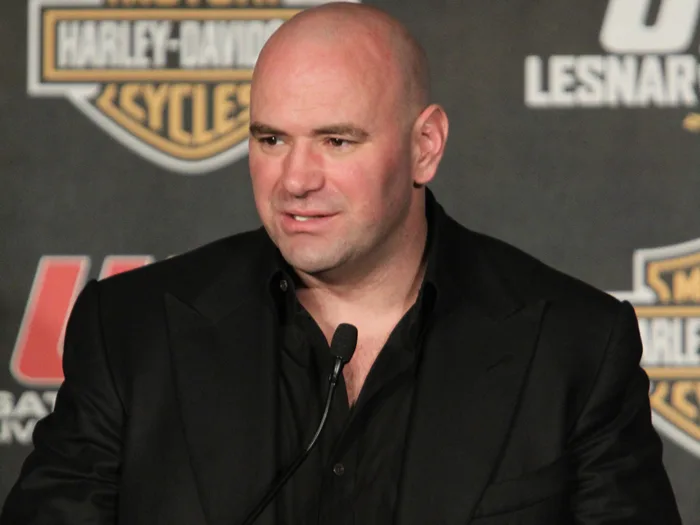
(347, 130)
(258, 128)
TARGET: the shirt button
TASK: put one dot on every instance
(338, 469)
(284, 285)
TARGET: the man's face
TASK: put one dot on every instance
(329, 155)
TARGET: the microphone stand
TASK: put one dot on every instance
(277, 486)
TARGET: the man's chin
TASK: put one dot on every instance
(314, 268)
(311, 264)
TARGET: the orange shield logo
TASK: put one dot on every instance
(666, 296)
(169, 79)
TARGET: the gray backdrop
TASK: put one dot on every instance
(585, 154)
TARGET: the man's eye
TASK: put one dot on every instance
(270, 141)
(338, 143)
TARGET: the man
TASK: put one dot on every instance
(486, 388)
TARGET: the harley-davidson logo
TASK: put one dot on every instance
(666, 297)
(170, 79)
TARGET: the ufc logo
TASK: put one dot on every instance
(36, 358)
(625, 29)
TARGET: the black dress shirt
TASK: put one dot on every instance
(352, 476)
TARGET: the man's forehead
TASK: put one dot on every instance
(301, 112)
(328, 80)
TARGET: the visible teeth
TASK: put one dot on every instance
(301, 218)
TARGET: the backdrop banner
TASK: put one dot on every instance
(574, 135)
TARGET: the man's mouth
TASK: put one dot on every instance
(307, 217)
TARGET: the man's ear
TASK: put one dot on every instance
(428, 140)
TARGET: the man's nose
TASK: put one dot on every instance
(303, 172)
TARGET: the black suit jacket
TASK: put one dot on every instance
(530, 408)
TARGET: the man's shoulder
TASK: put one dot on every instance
(188, 273)
(531, 279)
(578, 318)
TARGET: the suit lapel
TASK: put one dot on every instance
(471, 374)
(473, 366)
(224, 365)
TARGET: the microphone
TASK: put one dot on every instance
(342, 347)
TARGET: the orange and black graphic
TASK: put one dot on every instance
(170, 79)
(666, 296)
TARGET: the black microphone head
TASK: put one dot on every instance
(344, 342)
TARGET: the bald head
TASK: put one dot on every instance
(368, 33)
(343, 141)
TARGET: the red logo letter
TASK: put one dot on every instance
(36, 359)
